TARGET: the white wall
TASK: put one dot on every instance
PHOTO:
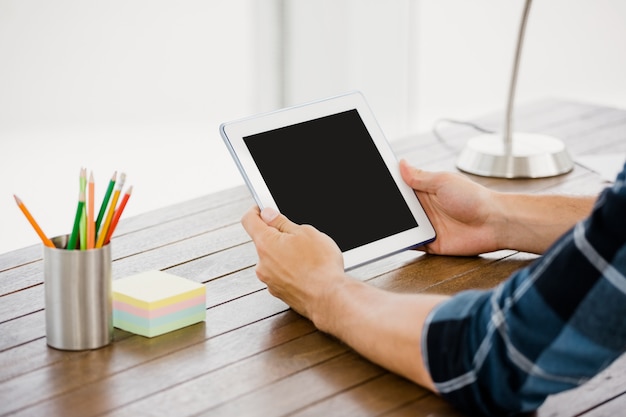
(70, 62)
(572, 49)
(335, 46)
(420, 60)
(137, 86)
(141, 86)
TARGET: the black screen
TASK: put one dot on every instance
(328, 173)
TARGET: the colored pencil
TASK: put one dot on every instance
(105, 201)
(118, 214)
(71, 244)
(91, 222)
(107, 221)
(83, 214)
(33, 223)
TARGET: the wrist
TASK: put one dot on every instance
(329, 303)
(503, 220)
(531, 223)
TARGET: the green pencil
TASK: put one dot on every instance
(105, 201)
(71, 244)
(82, 229)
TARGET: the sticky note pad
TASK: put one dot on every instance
(154, 302)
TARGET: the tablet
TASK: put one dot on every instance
(328, 164)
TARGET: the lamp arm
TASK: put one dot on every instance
(508, 128)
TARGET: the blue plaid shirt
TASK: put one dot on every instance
(550, 327)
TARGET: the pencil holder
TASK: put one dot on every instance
(78, 296)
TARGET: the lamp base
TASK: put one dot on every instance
(532, 156)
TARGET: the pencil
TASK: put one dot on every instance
(105, 201)
(117, 215)
(71, 244)
(33, 223)
(83, 214)
(107, 221)
(91, 222)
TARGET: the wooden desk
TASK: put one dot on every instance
(254, 356)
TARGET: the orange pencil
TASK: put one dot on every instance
(33, 223)
(118, 214)
(107, 221)
(91, 221)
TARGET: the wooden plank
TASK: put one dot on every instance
(184, 209)
(430, 405)
(283, 396)
(373, 398)
(239, 312)
(558, 121)
(419, 266)
(19, 257)
(197, 377)
(612, 408)
(183, 352)
(604, 387)
(531, 117)
(163, 257)
(29, 327)
(25, 276)
(143, 240)
(149, 219)
(252, 348)
(21, 303)
(21, 330)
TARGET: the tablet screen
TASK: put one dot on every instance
(327, 172)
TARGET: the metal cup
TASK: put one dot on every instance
(79, 305)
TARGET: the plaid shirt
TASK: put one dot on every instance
(550, 327)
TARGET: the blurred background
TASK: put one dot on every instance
(141, 86)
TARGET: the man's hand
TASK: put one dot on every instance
(470, 219)
(298, 263)
(304, 268)
(460, 210)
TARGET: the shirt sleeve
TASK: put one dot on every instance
(550, 327)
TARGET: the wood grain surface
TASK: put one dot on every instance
(253, 355)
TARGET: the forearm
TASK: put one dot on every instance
(531, 223)
(384, 327)
(552, 325)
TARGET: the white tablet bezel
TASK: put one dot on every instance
(234, 132)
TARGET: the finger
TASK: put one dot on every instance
(252, 222)
(277, 220)
(268, 214)
(418, 179)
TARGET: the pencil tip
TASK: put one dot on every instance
(17, 199)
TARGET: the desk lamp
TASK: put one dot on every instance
(515, 155)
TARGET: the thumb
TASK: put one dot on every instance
(409, 174)
(418, 179)
(273, 218)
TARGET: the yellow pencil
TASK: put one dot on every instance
(107, 221)
(118, 214)
(33, 223)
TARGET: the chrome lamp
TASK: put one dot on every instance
(514, 154)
